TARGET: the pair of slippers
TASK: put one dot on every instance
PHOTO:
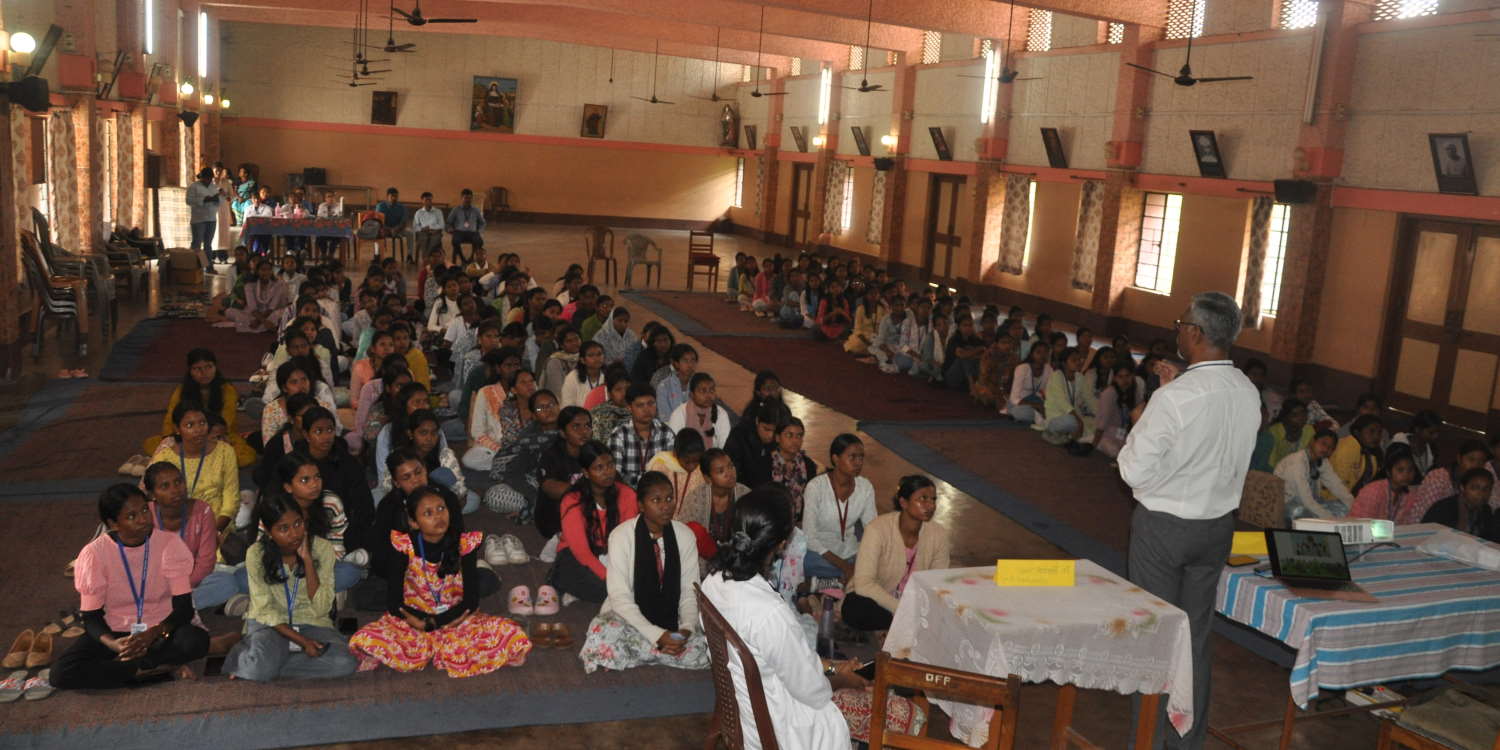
(546, 604)
(28, 651)
(65, 374)
(551, 635)
(135, 466)
(33, 688)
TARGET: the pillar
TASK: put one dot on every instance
(1119, 243)
(829, 132)
(893, 223)
(772, 156)
(1132, 95)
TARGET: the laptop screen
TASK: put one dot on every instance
(1308, 554)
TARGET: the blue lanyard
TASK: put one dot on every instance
(203, 459)
(181, 530)
(138, 596)
(290, 587)
(435, 591)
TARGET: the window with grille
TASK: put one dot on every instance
(846, 211)
(1158, 248)
(892, 57)
(1298, 14)
(856, 58)
(1116, 33)
(796, 66)
(986, 46)
(1270, 280)
(932, 47)
(1184, 19)
(1039, 31)
(745, 71)
(739, 183)
(1390, 10)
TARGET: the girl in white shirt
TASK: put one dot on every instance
(1311, 486)
(701, 412)
(1028, 384)
(836, 506)
(588, 375)
(445, 307)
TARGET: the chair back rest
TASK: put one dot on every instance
(499, 198)
(43, 290)
(700, 242)
(43, 228)
(600, 241)
(31, 249)
(965, 687)
(1263, 501)
(721, 637)
(370, 224)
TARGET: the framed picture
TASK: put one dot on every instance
(729, 127)
(1057, 158)
(1206, 151)
(861, 140)
(799, 134)
(494, 105)
(594, 118)
(382, 108)
(1452, 164)
(940, 143)
(750, 137)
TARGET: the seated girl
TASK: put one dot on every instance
(680, 464)
(836, 503)
(1026, 404)
(376, 401)
(809, 697)
(613, 412)
(621, 345)
(790, 465)
(555, 369)
(432, 594)
(1068, 418)
(381, 346)
(297, 375)
(651, 612)
(761, 297)
(1356, 460)
(135, 593)
(1116, 402)
(588, 375)
(895, 545)
(496, 419)
(285, 439)
(295, 344)
(514, 468)
(204, 384)
(834, 317)
(1317, 416)
(289, 632)
(996, 368)
(298, 477)
(658, 343)
(701, 413)
(962, 354)
(597, 504)
(1426, 427)
(191, 520)
(342, 474)
(1468, 510)
(1287, 435)
(412, 398)
(209, 466)
(867, 316)
(1439, 483)
(1383, 497)
(405, 345)
(423, 433)
(1311, 487)
(708, 507)
(557, 468)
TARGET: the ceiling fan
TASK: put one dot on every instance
(714, 95)
(416, 18)
(760, 42)
(1185, 75)
(865, 86)
(653, 99)
(1007, 75)
(390, 34)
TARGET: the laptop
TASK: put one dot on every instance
(1312, 564)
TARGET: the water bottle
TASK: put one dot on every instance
(825, 629)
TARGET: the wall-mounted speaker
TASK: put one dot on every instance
(187, 117)
(1295, 191)
(30, 92)
(884, 163)
(314, 176)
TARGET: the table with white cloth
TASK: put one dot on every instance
(1434, 615)
(1103, 633)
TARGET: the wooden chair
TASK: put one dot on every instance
(498, 203)
(1393, 736)
(967, 687)
(599, 245)
(1263, 501)
(701, 255)
(725, 725)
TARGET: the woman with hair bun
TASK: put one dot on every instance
(895, 545)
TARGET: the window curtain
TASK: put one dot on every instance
(20, 187)
(877, 209)
(760, 182)
(1017, 214)
(1086, 244)
(833, 205)
(62, 181)
(125, 185)
(1255, 263)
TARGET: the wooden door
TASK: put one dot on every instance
(801, 207)
(1443, 340)
(940, 235)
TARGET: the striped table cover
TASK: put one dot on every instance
(1434, 615)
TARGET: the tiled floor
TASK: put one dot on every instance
(979, 533)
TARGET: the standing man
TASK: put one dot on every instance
(1186, 460)
(465, 222)
(203, 214)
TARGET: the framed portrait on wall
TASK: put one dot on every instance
(594, 120)
(799, 134)
(494, 105)
(1452, 163)
(861, 140)
(729, 127)
(1057, 158)
(940, 143)
(382, 108)
(1206, 152)
(750, 137)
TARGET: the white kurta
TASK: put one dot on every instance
(678, 420)
(798, 696)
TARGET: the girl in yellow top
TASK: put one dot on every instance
(416, 361)
(1356, 460)
(208, 466)
(206, 386)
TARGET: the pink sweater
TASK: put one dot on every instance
(575, 535)
(200, 534)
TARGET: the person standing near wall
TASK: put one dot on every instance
(1186, 460)
(203, 200)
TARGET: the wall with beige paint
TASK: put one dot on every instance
(870, 110)
(1073, 93)
(1351, 320)
(946, 99)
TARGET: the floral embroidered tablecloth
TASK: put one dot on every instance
(1105, 633)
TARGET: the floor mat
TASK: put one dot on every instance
(701, 314)
(76, 429)
(155, 351)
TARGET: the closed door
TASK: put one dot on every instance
(1443, 347)
(940, 236)
(801, 208)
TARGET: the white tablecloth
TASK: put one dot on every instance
(1104, 633)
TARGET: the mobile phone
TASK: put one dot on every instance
(866, 670)
(1239, 561)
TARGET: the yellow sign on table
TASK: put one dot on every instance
(1035, 572)
(1249, 543)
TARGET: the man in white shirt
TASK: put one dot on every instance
(203, 214)
(259, 208)
(1186, 460)
(427, 223)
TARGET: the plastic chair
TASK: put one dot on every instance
(370, 227)
(599, 246)
(725, 724)
(701, 255)
(50, 304)
(638, 251)
(966, 687)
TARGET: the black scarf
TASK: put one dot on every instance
(657, 596)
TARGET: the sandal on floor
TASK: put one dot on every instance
(67, 625)
(561, 636)
(520, 601)
(547, 603)
(15, 658)
(542, 635)
(40, 686)
(40, 654)
(12, 687)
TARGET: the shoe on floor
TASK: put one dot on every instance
(520, 601)
(494, 552)
(360, 557)
(568, 599)
(549, 550)
(514, 549)
(546, 601)
(237, 605)
(39, 687)
(40, 654)
(20, 648)
(12, 686)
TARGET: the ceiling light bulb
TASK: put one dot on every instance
(22, 43)
(186, 88)
(888, 140)
(818, 140)
(208, 98)
(224, 103)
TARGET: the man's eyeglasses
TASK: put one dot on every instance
(1178, 324)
